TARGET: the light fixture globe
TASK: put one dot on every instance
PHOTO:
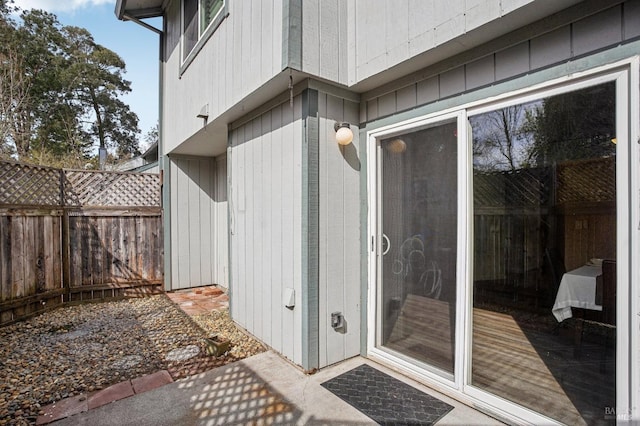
(397, 146)
(344, 135)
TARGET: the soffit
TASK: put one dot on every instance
(139, 9)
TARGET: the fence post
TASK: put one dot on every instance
(66, 269)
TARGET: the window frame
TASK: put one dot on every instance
(187, 57)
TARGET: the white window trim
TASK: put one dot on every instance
(185, 61)
(626, 74)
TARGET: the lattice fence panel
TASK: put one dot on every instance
(23, 184)
(109, 189)
(589, 180)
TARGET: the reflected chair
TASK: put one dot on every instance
(606, 319)
(606, 292)
(556, 268)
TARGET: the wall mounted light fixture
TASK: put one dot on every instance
(204, 112)
(344, 135)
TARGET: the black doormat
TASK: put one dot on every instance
(385, 399)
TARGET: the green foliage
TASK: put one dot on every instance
(152, 136)
(568, 126)
(574, 125)
(60, 91)
(69, 160)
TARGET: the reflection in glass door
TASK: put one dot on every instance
(544, 238)
(418, 209)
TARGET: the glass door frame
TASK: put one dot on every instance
(374, 166)
(626, 74)
(623, 208)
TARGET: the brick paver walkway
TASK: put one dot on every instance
(200, 300)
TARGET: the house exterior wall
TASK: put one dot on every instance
(295, 208)
(242, 54)
(155, 168)
(348, 42)
(220, 212)
(198, 222)
(515, 55)
(395, 31)
(345, 42)
(339, 230)
(265, 175)
(325, 39)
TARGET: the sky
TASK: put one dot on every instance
(137, 46)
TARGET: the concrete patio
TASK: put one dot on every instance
(263, 389)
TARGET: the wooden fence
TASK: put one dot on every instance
(68, 235)
(568, 208)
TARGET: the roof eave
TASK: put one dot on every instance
(153, 147)
(119, 11)
(123, 13)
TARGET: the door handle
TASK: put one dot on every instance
(386, 244)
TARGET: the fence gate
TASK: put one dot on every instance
(68, 235)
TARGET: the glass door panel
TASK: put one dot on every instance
(418, 209)
(544, 260)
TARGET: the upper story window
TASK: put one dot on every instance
(200, 18)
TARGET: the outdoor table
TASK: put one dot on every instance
(577, 289)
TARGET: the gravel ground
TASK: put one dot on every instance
(84, 348)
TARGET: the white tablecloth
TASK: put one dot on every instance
(577, 289)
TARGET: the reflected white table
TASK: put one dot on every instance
(577, 289)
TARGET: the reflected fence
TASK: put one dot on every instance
(71, 235)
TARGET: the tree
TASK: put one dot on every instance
(60, 90)
(152, 136)
(37, 56)
(13, 93)
(98, 76)
(14, 83)
(500, 139)
(574, 125)
(569, 126)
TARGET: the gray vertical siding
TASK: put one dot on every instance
(167, 195)
(242, 54)
(339, 231)
(310, 255)
(292, 34)
(153, 169)
(325, 39)
(295, 223)
(220, 235)
(389, 32)
(574, 39)
(265, 223)
(198, 223)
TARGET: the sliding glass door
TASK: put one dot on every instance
(417, 223)
(500, 247)
(544, 254)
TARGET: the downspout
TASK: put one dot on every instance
(163, 160)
